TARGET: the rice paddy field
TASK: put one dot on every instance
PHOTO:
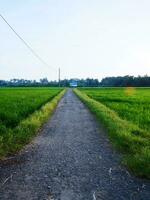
(16, 106)
(125, 113)
(131, 104)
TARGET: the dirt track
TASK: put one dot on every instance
(71, 159)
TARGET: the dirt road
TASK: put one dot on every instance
(71, 159)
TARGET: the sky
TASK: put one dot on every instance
(85, 38)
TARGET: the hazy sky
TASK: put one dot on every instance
(85, 38)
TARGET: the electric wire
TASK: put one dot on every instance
(26, 44)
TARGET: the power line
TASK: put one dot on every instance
(25, 43)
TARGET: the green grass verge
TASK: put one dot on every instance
(22, 134)
(132, 141)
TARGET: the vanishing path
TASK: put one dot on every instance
(71, 159)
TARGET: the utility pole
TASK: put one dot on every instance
(59, 76)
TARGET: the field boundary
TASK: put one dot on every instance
(125, 136)
(18, 137)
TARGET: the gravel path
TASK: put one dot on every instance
(71, 159)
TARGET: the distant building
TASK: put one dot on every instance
(73, 83)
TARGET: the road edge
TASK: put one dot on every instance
(21, 135)
(120, 133)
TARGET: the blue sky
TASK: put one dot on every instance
(85, 38)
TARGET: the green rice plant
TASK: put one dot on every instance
(126, 136)
(131, 104)
(18, 103)
(13, 138)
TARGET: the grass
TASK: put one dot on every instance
(22, 113)
(128, 132)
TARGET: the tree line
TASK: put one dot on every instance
(89, 82)
(119, 81)
(126, 81)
